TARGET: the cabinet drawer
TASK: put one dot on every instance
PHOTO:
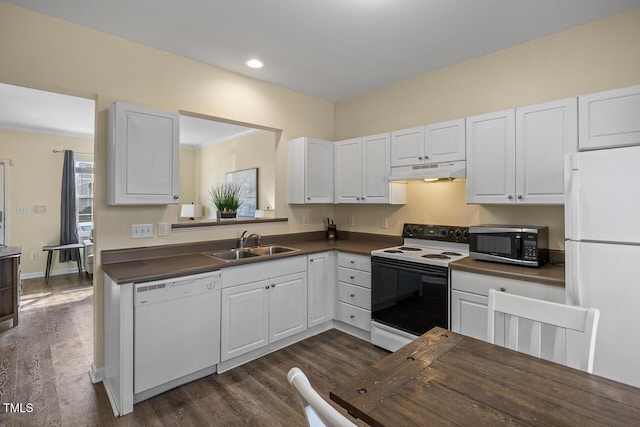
(359, 262)
(481, 283)
(354, 295)
(354, 277)
(355, 316)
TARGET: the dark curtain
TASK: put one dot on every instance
(68, 217)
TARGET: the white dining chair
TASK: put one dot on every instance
(519, 322)
(317, 410)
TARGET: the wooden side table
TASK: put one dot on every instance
(50, 249)
(10, 283)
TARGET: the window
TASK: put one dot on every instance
(84, 196)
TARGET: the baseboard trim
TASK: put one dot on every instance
(96, 374)
(39, 274)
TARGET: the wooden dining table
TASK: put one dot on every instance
(444, 378)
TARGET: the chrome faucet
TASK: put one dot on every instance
(243, 239)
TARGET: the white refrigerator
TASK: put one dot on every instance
(602, 230)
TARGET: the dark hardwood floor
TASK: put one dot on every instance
(45, 360)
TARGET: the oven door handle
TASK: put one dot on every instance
(410, 267)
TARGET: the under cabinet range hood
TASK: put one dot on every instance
(444, 170)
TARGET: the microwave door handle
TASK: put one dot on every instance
(519, 246)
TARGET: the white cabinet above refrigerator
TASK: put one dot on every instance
(610, 119)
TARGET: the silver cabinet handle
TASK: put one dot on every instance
(419, 158)
(273, 285)
(175, 197)
(520, 197)
(362, 199)
(352, 316)
(510, 197)
(353, 262)
(267, 287)
(308, 198)
(503, 289)
(353, 295)
(353, 277)
(426, 157)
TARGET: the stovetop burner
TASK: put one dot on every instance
(408, 248)
(451, 253)
(435, 256)
(393, 251)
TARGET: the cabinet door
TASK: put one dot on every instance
(376, 168)
(319, 171)
(544, 133)
(348, 171)
(469, 314)
(491, 158)
(287, 306)
(445, 141)
(245, 319)
(142, 156)
(610, 119)
(320, 283)
(407, 146)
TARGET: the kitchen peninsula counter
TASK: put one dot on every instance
(548, 274)
(164, 262)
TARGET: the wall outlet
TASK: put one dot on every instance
(163, 229)
(305, 221)
(352, 221)
(23, 209)
(34, 255)
(384, 223)
(141, 230)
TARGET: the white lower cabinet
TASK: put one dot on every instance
(321, 279)
(271, 307)
(354, 291)
(469, 299)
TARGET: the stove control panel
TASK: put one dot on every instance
(444, 233)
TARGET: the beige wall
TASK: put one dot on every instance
(255, 150)
(35, 178)
(50, 54)
(188, 173)
(597, 56)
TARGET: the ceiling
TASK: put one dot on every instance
(331, 49)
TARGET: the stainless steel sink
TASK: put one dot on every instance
(232, 254)
(241, 253)
(271, 250)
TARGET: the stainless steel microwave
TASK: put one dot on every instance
(510, 244)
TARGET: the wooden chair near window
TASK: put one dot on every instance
(317, 411)
(573, 328)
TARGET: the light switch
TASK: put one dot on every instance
(141, 230)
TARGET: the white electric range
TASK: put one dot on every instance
(410, 290)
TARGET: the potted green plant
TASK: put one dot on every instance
(226, 198)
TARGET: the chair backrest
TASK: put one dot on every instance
(317, 410)
(519, 323)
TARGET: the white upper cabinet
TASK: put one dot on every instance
(311, 163)
(491, 157)
(142, 156)
(362, 171)
(517, 156)
(444, 141)
(610, 118)
(434, 143)
(544, 133)
(407, 146)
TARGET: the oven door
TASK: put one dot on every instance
(409, 296)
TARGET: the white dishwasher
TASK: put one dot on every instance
(176, 332)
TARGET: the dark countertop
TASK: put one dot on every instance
(10, 251)
(184, 264)
(548, 274)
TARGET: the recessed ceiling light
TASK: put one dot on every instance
(254, 63)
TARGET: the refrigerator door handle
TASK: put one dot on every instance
(572, 275)
(571, 195)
